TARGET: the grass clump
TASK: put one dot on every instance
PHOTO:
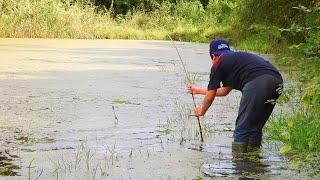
(63, 19)
(48, 19)
(184, 20)
(300, 134)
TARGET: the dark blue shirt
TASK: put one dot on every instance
(235, 69)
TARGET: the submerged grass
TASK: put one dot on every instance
(86, 162)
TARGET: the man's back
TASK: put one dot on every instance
(235, 69)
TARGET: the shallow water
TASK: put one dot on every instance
(116, 109)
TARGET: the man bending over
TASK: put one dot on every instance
(257, 79)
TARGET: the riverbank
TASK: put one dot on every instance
(299, 128)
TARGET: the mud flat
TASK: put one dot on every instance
(115, 109)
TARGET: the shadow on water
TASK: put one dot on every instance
(7, 167)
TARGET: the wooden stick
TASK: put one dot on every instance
(189, 81)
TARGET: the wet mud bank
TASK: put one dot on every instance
(116, 109)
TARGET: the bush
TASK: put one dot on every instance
(222, 11)
(301, 134)
(190, 11)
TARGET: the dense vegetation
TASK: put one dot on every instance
(288, 28)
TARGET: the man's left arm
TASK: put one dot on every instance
(207, 101)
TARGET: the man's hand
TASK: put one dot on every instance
(192, 89)
(196, 90)
(198, 111)
(207, 101)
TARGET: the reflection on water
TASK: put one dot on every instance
(251, 165)
(7, 168)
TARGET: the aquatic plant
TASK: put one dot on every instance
(189, 81)
(7, 167)
(115, 116)
(197, 178)
(86, 161)
(119, 101)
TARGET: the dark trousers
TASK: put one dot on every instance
(255, 110)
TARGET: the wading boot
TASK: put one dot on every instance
(239, 147)
(253, 144)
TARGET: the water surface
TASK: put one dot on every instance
(116, 109)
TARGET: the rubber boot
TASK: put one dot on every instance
(239, 147)
(253, 144)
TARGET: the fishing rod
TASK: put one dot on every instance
(188, 78)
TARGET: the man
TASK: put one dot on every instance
(257, 79)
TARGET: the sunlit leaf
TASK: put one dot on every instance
(311, 144)
(309, 157)
(285, 149)
(286, 135)
(295, 161)
(290, 123)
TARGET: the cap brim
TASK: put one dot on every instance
(218, 53)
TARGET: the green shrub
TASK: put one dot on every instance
(301, 134)
(263, 38)
(221, 11)
(190, 11)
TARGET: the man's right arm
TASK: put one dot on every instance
(223, 91)
(196, 90)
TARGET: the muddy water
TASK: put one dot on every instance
(115, 109)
